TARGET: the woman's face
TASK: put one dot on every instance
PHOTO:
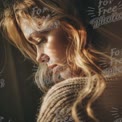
(50, 43)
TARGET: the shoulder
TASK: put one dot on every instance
(60, 98)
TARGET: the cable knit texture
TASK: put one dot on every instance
(58, 101)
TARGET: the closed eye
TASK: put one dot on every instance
(42, 41)
(38, 37)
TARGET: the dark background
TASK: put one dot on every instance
(19, 96)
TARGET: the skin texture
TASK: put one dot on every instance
(51, 44)
(51, 47)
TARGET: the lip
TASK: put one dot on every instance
(52, 66)
(55, 68)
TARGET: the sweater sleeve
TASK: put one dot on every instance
(58, 101)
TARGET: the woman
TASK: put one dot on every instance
(70, 71)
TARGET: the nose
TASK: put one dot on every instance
(42, 58)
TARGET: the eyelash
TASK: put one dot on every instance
(42, 41)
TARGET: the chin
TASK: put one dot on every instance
(65, 74)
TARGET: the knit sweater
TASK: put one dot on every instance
(58, 101)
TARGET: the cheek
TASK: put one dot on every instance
(56, 47)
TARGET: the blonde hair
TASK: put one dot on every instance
(82, 58)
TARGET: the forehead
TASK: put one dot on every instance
(30, 26)
(41, 25)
